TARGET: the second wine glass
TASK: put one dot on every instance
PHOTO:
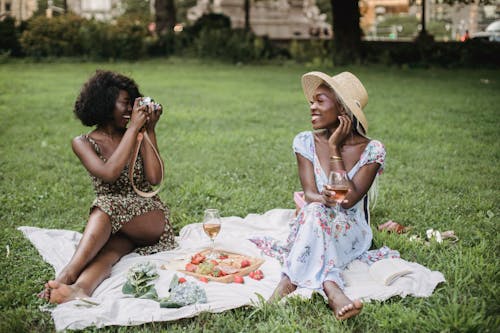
(340, 184)
(211, 226)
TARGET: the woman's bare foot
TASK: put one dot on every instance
(61, 292)
(65, 277)
(284, 288)
(343, 307)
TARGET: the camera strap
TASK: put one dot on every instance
(140, 137)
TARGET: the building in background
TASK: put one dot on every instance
(21, 10)
(371, 9)
(277, 19)
(102, 10)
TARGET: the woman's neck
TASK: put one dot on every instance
(109, 131)
(351, 140)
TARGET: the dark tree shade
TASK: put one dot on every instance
(247, 14)
(346, 31)
(165, 16)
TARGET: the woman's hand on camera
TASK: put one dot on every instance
(139, 115)
(154, 114)
(341, 132)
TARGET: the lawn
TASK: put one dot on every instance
(226, 140)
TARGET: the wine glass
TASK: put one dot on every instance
(340, 184)
(211, 226)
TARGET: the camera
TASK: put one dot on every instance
(149, 101)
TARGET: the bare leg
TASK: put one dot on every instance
(145, 229)
(284, 288)
(343, 308)
(95, 235)
(98, 270)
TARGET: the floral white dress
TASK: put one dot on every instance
(319, 247)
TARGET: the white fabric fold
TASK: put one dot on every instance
(57, 246)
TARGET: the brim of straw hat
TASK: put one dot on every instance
(312, 80)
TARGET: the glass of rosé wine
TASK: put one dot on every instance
(211, 226)
(340, 184)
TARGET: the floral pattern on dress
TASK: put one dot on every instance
(120, 202)
(330, 244)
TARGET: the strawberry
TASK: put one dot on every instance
(182, 280)
(197, 259)
(203, 279)
(256, 275)
(238, 279)
(223, 256)
(191, 267)
(245, 263)
(214, 262)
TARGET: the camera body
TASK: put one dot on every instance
(149, 101)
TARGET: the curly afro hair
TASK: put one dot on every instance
(96, 102)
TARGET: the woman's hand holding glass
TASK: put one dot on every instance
(336, 190)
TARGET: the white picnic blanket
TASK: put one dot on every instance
(115, 308)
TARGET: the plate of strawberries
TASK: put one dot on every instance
(227, 267)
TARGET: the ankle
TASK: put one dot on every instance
(67, 276)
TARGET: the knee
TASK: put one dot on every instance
(158, 228)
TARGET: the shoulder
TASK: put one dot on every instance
(376, 146)
(374, 153)
(82, 143)
(303, 144)
(303, 138)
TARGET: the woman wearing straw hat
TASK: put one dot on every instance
(321, 242)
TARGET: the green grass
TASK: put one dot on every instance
(226, 139)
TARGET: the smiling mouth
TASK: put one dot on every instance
(126, 117)
(314, 117)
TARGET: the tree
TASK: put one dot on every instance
(246, 8)
(346, 31)
(165, 16)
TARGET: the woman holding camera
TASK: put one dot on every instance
(120, 221)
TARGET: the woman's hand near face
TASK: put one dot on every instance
(139, 115)
(341, 132)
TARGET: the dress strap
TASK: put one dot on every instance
(94, 144)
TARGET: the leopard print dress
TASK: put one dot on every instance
(122, 204)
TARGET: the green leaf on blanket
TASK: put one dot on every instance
(128, 288)
(150, 294)
(140, 279)
(170, 304)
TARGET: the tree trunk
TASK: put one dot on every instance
(424, 29)
(165, 16)
(346, 31)
(247, 15)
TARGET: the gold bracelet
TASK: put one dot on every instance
(335, 158)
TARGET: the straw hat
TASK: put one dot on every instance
(347, 87)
